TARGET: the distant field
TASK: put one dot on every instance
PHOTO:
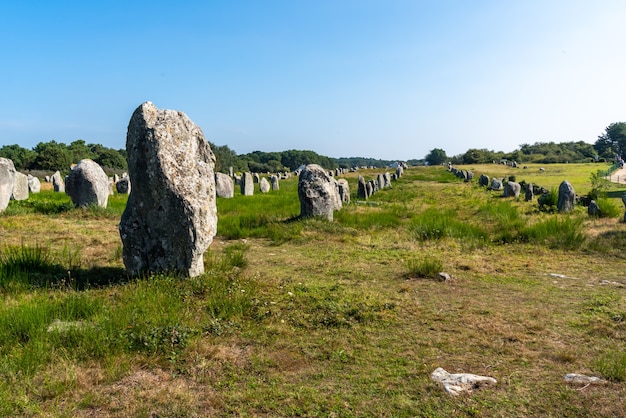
(310, 318)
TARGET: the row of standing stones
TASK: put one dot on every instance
(171, 217)
(566, 200)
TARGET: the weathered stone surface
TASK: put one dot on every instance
(529, 193)
(246, 184)
(34, 185)
(123, 185)
(224, 186)
(456, 383)
(7, 181)
(581, 379)
(483, 180)
(399, 171)
(57, 182)
(387, 178)
(593, 209)
(20, 188)
(275, 182)
(468, 176)
(512, 189)
(380, 181)
(362, 188)
(171, 216)
(264, 185)
(567, 197)
(318, 193)
(496, 184)
(344, 190)
(87, 184)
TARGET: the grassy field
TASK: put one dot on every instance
(310, 318)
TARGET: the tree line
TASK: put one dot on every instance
(609, 145)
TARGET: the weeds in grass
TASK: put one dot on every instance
(556, 232)
(424, 267)
(612, 365)
(24, 266)
(433, 224)
(608, 208)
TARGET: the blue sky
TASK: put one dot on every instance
(389, 79)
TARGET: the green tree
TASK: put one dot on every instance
(613, 141)
(51, 156)
(436, 156)
(21, 157)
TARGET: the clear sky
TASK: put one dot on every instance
(388, 79)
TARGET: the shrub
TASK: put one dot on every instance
(608, 208)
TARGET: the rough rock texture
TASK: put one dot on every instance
(593, 209)
(20, 188)
(7, 181)
(275, 182)
(57, 182)
(224, 186)
(483, 180)
(512, 189)
(529, 194)
(123, 185)
(455, 383)
(247, 184)
(344, 190)
(362, 189)
(264, 185)
(582, 379)
(171, 217)
(318, 193)
(496, 184)
(34, 185)
(567, 197)
(87, 184)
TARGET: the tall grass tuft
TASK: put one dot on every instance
(433, 224)
(613, 366)
(608, 208)
(424, 267)
(25, 266)
(564, 233)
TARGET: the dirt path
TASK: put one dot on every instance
(618, 176)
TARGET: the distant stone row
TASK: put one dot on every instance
(566, 200)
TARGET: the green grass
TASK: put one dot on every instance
(303, 317)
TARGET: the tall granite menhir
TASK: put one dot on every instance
(171, 217)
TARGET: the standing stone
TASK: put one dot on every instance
(362, 189)
(399, 171)
(87, 184)
(34, 185)
(387, 178)
(264, 185)
(593, 209)
(7, 181)
(344, 190)
(567, 197)
(318, 193)
(246, 184)
(171, 216)
(512, 189)
(380, 181)
(496, 184)
(20, 188)
(483, 180)
(275, 182)
(231, 172)
(529, 192)
(57, 182)
(123, 185)
(224, 186)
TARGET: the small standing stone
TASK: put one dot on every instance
(57, 183)
(264, 185)
(224, 186)
(34, 185)
(87, 184)
(567, 197)
(20, 188)
(7, 181)
(247, 184)
(593, 209)
(529, 196)
(123, 185)
(318, 193)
